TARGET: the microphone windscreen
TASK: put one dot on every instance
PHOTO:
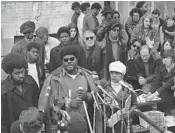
(103, 83)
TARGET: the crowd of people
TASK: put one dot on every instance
(51, 77)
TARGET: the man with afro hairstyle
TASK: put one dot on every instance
(135, 15)
(64, 37)
(18, 91)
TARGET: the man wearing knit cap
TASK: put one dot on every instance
(18, 91)
(65, 82)
(107, 12)
(117, 71)
(28, 29)
(114, 45)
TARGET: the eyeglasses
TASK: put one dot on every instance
(114, 30)
(136, 46)
(69, 59)
(91, 37)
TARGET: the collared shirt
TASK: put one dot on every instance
(80, 24)
(52, 42)
(32, 71)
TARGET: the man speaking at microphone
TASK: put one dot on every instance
(117, 71)
(64, 82)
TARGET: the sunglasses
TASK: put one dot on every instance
(136, 46)
(91, 38)
(114, 30)
(69, 59)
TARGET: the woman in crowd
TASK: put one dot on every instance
(74, 35)
(167, 31)
(147, 33)
(117, 71)
(167, 45)
(157, 20)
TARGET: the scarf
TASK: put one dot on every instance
(109, 49)
(170, 29)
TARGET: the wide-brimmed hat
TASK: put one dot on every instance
(107, 9)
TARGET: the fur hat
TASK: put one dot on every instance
(117, 66)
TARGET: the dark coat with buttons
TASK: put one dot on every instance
(13, 102)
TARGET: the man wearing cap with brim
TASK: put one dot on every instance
(164, 80)
(28, 29)
(107, 12)
(65, 82)
(117, 71)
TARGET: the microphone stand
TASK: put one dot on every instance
(104, 113)
(122, 119)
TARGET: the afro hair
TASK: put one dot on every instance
(70, 50)
(13, 60)
(136, 10)
(62, 30)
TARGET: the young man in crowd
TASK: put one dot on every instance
(49, 43)
(165, 73)
(76, 8)
(107, 12)
(142, 5)
(35, 69)
(85, 8)
(18, 91)
(64, 36)
(65, 81)
(28, 30)
(133, 54)
(90, 21)
(135, 15)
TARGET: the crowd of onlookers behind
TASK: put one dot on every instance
(144, 43)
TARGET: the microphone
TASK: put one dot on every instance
(105, 84)
(121, 82)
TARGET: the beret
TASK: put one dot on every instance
(69, 50)
(27, 27)
(13, 60)
(117, 66)
(107, 9)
